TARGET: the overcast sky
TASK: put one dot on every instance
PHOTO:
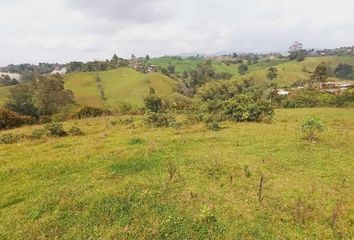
(64, 30)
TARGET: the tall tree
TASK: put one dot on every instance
(320, 74)
(296, 51)
(115, 59)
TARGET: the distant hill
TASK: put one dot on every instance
(123, 85)
(292, 71)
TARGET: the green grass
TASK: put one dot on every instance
(4, 92)
(292, 71)
(181, 65)
(113, 182)
(123, 85)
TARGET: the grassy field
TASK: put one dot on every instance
(115, 181)
(291, 71)
(181, 65)
(123, 85)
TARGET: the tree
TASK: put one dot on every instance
(171, 68)
(133, 57)
(320, 74)
(41, 97)
(20, 100)
(272, 73)
(296, 51)
(234, 55)
(114, 59)
(243, 68)
(344, 70)
(147, 58)
(153, 103)
(164, 71)
(6, 80)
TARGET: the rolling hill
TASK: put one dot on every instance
(292, 71)
(123, 85)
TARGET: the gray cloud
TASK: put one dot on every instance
(66, 30)
(136, 11)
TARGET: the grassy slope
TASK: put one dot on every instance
(122, 85)
(105, 185)
(181, 65)
(4, 91)
(291, 71)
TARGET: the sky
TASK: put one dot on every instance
(33, 31)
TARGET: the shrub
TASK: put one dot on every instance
(38, 133)
(153, 103)
(158, 119)
(10, 119)
(310, 127)
(88, 112)
(212, 121)
(344, 71)
(75, 131)
(243, 108)
(54, 129)
(9, 138)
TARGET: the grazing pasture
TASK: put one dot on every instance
(127, 181)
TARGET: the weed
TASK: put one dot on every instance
(54, 129)
(9, 138)
(135, 141)
(310, 127)
(75, 131)
(247, 171)
(172, 170)
(38, 133)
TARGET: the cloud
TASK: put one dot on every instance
(66, 30)
(136, 11)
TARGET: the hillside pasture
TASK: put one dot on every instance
(133, 182)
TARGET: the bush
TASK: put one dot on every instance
(38, 133)
(88, 112)
(75, 131)
(243, 108)
(153, 103)
(54, 129)
(158, 119)
(10, 119)
(344, 71)
(9, 138)
(310, 127)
